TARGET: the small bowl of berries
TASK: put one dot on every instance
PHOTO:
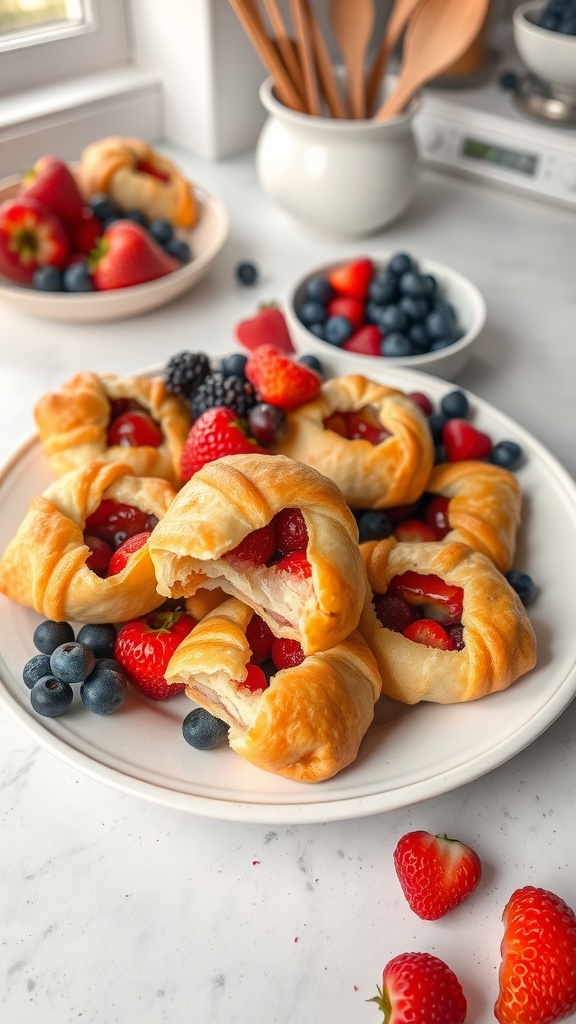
(393, 309)
(545, 37)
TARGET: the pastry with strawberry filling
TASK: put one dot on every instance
(274, 533)
(371, 440)
(444, 624)
(132, 420)
(300, 716)
(82, 550)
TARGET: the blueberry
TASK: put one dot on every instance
(202, 730)
(161, 230)
(393, 319)
(437, 421)
(439, 324)
(373, 311)
(455, 405)
(337, 330)
(439, 343)
(507, 454)
(395, 345)
(246, 273)
(429, 284)
(508, 81)
(104, 690)
(103, 208)
(313, 362)
(35, 669)
(179, 249)
(400, 263)
(414, 308)
(419, 338)
(411, 283)
(567, 25)
(439, 454)
(51, 697)
(383, 290)
(50, 634)
(110, 663)
(136, 216)
(234, 365)
(522, 583)
(374, 525)
(317, 330)
(47, 279)
(312, 313)
(442, 306)
(77, 278)
(72, 662)
(99, 637)
(109, 220)
(319, 289)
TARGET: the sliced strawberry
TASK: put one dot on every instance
(85, 232)
(217, 432)
(430, 634)
(257, 547)
(134, 429)
(121, 556)
(366, 341)
(364, 425)
(414, 531)
(353, 278)
(290, 531)
(436, 873)
(260, 639)
(255, 679)
(279, 380)
(337, 423)
(286, 653)
(351, 309)
(438, 600)
(31, 236)
(462, 441)
(267, 327)
(436, 515)
(296, 564)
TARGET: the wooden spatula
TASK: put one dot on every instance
(302, 27)
(399, 16)
(352, 24)
(285, 46)
(248, 16)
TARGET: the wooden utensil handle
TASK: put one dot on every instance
(301, 22)
(286, 47)
(326, 71)
(254, 29)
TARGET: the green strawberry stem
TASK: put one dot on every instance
(383, 1003)
(162, 622)
(100, 249)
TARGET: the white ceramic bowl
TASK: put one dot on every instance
(550, 55)
(206, 239)
(446, 363)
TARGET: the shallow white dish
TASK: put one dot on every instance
(550, 55)
(206, 239)
(447, 363)
(409, 753)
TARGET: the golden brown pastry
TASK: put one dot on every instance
(44, 566)
(499, 644)
(484, 507)
(136, 177)
(226, 501)
(393, 472)
(73, 423)
(308, 724)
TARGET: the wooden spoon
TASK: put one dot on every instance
(352, 24)
(438, 33)
(302, 27)
(399, 17)
(251, 22)
(326, 76)
(285, 45)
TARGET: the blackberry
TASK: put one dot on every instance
(185, 372)
(234, 392)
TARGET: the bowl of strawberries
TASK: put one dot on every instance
(69, 255)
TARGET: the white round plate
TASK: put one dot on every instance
(206, 239)
(409, 753)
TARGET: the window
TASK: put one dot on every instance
(24, 22)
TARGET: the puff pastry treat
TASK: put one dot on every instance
(83, 421)
(276, 534)
(371, 440)
(307, 724)
(136, 177)
(47, 564)
(474, 637)
(483, 507)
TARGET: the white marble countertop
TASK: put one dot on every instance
(116, 909)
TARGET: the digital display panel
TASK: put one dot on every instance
(511, 159)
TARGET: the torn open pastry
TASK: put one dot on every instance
(305, 722)
(273, 532)
(81, 551)
(443, 623)
(132, 420)
(373, 441)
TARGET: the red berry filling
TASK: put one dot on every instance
(414, 531)
(121, 556)
(260, 639)
(290, 531)
(255, 679)
(430, 634)
(424, 608)
(143, 167)
(296, 564)
(363, 425)
(257, 547)
(393, 613)
(286, 653)
(282, 544)
(437, 599)
(427, 520)
(108, 528)
(134, 429)
(100, 554)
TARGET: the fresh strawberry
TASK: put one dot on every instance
(30, 237)
(260, 639)
(353, 278)
(257, 547)
(296, 564)
(437, 599)
(422, 401)
(279, 380)
(537, 983)
(51, 182)
(414, 531)
(85, 231)
(418, 988)
(133, 429)
(255, 679)
(286, 653)
(267, 327)
(351, 309)
(126, 255)
(113, 521)
(364, 425)
(436, 515)
(393, 613)
(144, 648)
(121, 556)
(215, 433)
(430, 634)
(462, 441)
(366, 341)
(436, 873)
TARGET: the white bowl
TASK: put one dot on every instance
(550, 55)
(447, 362)
(206, 239)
